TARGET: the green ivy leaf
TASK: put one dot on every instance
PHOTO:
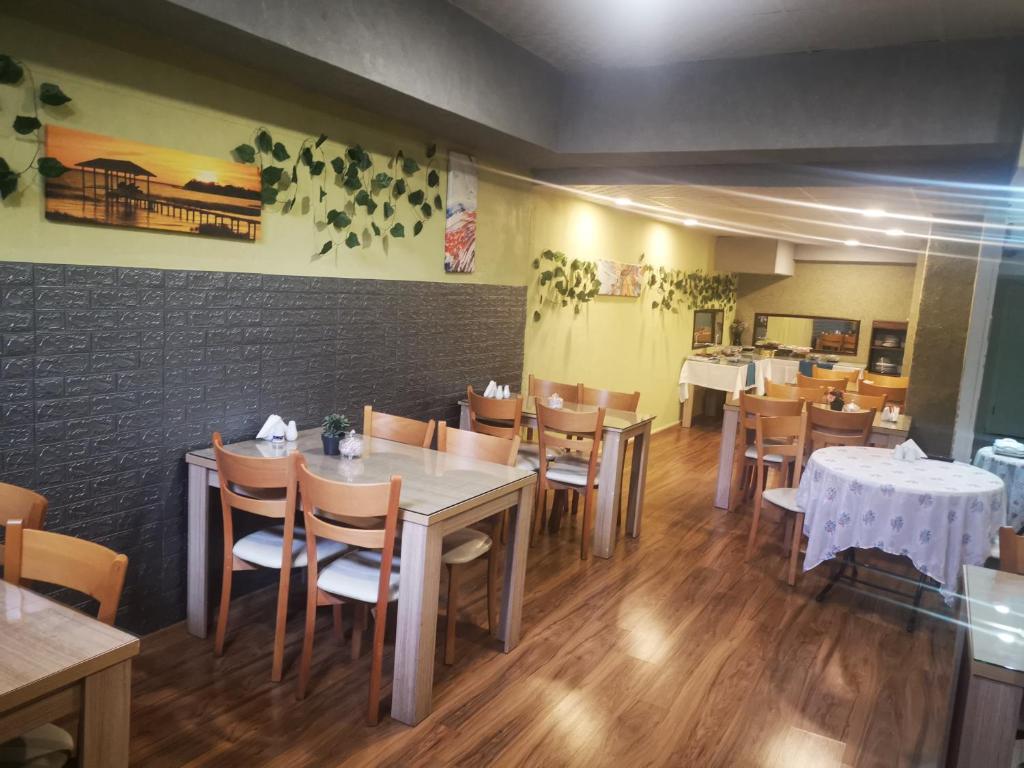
(427, 210)
(375, 228)
(263, 141)
(438, 204)
(338, 165)
(323, 194)
(268, 195)
(409, 166)
(245, 153)
(280, 152)
(397, 231)
(51, 167)
(352, 240)
(416, 197)
(389, 210)
(326, 247)
(339, 219)
(536, 263)
(51, 95)
(433, 179)
(24, 124)
(536, 315)
(382, 180)
(363, 197)
(306, 156)
(399, 188)
(316, 168)
(417, 228)
(352, 183)
(10, 71)
(271, 174)
(371, 207)
(8, 178)
(320, 140)
(431, 151)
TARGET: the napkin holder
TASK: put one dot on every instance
(908, 451)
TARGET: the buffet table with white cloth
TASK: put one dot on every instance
(939, 515)
(1011, 470)
(724, 376)
(783, 370)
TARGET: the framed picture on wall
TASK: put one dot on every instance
(619, 279)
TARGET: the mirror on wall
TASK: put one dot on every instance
(708, 325)
(828, 335)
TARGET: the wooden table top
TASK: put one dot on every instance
(899, 427)
(995, 622)
(434, 485)
(47, 646)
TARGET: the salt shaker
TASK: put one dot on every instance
(277, 433)
(291, 434)
(506, 394)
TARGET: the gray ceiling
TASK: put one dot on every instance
(586, 34)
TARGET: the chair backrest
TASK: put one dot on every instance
(899, 382)
(18, 503)
(810, 381)
(830, 342)
(828, 427)
(1011, 551)
(752, 406)
(867, 402)
(477, 445)
(787, 434)
(542, 388)
(607, 398)
(573, 431)
(833, 375)
(66, 561)
(246, 480)
(793, 392)
(488, 416)
(397, 428)
(893, 395)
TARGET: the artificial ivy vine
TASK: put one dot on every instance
(562, 281)
(669, 289)
(405, 183)
(15, 73)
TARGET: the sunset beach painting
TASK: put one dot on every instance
(123, 183)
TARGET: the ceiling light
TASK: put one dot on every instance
(623, 201)
(874, 213)
(852, 243)
(895, 232)
(690, 222)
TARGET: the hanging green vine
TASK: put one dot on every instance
(15, 73)
(372, 196)
(561, 281)
(669, 289)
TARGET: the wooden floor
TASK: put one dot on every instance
(675, 652)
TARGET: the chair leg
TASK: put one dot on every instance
(280, 624)
(307, 641)
(451, 613)
(794, 552)
(379, 627)
(538, 511)
(358, 627)
(225, 604)
(493, 575)
(575, 503)
(337, 631)
(757, 512)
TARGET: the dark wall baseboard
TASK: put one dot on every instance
(109, 375)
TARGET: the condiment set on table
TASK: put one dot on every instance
(497, 391)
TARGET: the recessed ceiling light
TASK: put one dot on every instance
(874, 213)
(851, 242)
(895, 232)
(690, 222)
(623, 201)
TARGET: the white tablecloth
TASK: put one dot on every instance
(725, 377)
(1011, 470)
(783, 370)
(938, 514)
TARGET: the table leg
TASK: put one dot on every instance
(198, 539)
(464, 417)
(516, 549)
(638, 482)
(608, 493)
(417, 623)
(104, 723)
(686, 417)
(726, 458)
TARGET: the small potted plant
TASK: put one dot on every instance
(736, 329)
(835, 399)
(334, 427)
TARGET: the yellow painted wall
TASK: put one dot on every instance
(127, 84)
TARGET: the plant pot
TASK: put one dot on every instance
(836, 405)
(331, 444)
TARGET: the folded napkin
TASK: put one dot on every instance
(492, 388)
(908, 451)
(274, 424)
(1007, 446)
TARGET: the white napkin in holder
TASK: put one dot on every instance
(908, 451)
(270, 426)
(492, 387)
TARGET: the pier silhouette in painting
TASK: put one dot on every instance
(129, 184)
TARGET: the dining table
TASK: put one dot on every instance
(620, 427)
(441, 493)
(700, 372)
(59, 662)
(1011, 470)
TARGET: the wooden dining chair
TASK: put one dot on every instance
(1011, 551)
(793, 392)
(784, 436)
(828, 427)
(500, 418)
(882, 380)
(264, 487)
(607, 398)
(65, 561)
(18, 503)
(361, 515)
(867, 402)
(578, 436)
(397, 428)
(745, 457)
(810, 381)
(893, 395)
(831, 374)
(468, 544)
(543, 388)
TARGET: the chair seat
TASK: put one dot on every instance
(782, 497)
(774, 458)
(47, 746)
(570, 472)
(355, 577)
(464, 545)
(263, 548)
(529, 456)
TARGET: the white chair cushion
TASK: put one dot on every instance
(263, 548)
(782, 497)
(47, 746)
(464, 545)
(569, 472)
(775, 458)
(352, 576)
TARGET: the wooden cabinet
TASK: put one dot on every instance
(888, 344)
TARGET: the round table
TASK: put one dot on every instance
(940, 515)
(1011, 470)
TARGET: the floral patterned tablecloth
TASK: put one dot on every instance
(938, 514)
(1011, 470)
